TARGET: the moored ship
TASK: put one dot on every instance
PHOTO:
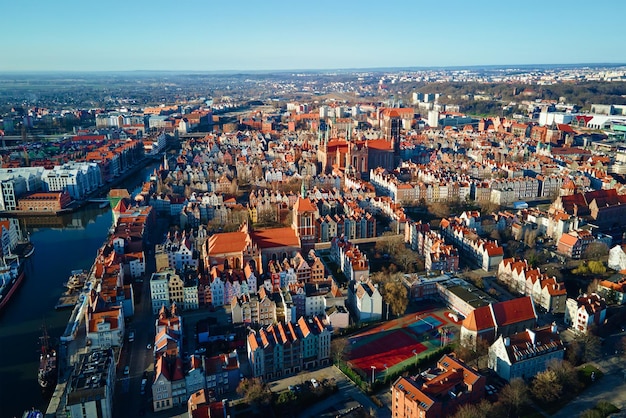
(47, 375)
(11, 277)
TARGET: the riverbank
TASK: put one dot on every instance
(100, 192)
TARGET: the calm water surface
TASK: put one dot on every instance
(62, 244)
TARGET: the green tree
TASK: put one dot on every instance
(596, 267)
(286, 398)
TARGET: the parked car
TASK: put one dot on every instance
(131, 336)
(149, 347)
(315, 383)
(126, 370)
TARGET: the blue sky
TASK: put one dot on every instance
(208, 35)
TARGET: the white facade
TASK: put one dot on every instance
(159, 291)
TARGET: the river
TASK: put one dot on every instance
(62, 244)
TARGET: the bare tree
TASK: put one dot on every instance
(338, 349)
(514, 396)
(254, 391)
(396, 295)
(546, 386)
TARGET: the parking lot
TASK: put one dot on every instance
(348, 396)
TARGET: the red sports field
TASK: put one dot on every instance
(389, 345)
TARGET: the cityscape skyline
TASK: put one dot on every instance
(278, 35)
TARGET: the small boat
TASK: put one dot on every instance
(47, 374)
(76, 280)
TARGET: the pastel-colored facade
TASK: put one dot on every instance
(483, 253)
(168, 387)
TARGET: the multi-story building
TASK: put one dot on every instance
(168, 388)
(546, 291)
(91, 386)
(526, 353)
(437, 393)
(166, 287)
(502, 318)
(283, 349)
(105, 327)
(253, 309)
(585, 312)
(222, 373)
(365, 300)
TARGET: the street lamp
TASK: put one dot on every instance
(373, 368)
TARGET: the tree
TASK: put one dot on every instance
(546, 386)
(338, 349)
(254, 391)
(593, 286)
(470, 350)
(405, 258)
(595, 251)
(583, 348)
(596, 267)
(396, 295)
(566, 374)
(514, 396)
(286, 398)
(439, 209)
(388, 243)
(484, 409)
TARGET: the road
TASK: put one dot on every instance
(128, 401)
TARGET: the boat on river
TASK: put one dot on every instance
(11, 277)
(47, 374)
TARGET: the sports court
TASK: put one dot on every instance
(398, 343)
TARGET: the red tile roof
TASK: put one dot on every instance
(479, 319)
(514, 311)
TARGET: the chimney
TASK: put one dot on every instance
(553, 328)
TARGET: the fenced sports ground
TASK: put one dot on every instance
(396, 344)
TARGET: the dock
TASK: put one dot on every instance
(67, 300)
